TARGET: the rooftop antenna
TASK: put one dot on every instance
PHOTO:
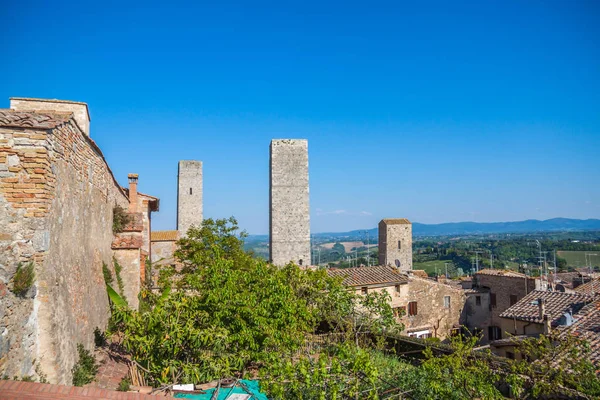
(477, 252)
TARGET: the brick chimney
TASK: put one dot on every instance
(541, 308)
(80, 110)
(133, 193)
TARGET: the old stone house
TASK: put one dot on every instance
(504, 288)
(537, 313)
(57, 196)
(427, 308)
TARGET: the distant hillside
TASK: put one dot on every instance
(474, 228)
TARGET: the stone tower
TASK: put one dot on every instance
(395, 243)
(289, 224)
(189, 195)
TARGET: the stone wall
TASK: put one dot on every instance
(476, 313)
(289, 202)
(502, 288)
(56, 199)
(189, 195)
(432, 314)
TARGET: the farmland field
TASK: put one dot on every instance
(430, 266)
(578, 258)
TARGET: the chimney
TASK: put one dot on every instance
(542, 308)
(133, 194)
(546, 322)
(80, 110)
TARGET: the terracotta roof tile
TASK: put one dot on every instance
(556, 305)
(501, 272)
(27, 119)
(587, 326)
(591, 287)
(375, 275)
(164, 236)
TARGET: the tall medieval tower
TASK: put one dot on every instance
(395, 243)
(189, 195)
(289, 215)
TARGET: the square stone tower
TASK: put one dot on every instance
(289, 224)
(395, 243)
(189, 195)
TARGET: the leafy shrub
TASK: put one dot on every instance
(124, 385)
(86, 368)
(118, 269)
(108, 279)
(99, 337)
(120, 219)
(23, 279)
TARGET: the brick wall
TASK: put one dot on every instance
(56, 199)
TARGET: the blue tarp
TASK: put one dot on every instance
(253, 387)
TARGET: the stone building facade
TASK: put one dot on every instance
(189, 195)
(132, 247)
(289, 213)
(57, 196)
(427, 308)
(505, 288)
(395, 243)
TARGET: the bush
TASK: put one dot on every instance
(120, 219)
(86, 368)
(108, 279)
(23, 279)
(124, 385)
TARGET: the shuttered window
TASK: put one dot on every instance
(412, 308)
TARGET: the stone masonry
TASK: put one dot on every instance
(189, 195)
(57, 195)
(395, 243)
(289, 202)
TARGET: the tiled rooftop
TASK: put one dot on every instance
(164, 236)
(29, 119)
(501, 272)
(591, 287)
(375, 275)
(556, 304)
(587, 326)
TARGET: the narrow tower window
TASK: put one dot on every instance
(399, 245)
(190, 190)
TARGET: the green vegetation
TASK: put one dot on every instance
(85, 370)
(23, 279)
(120, 219)
(232, 312)
(227, 313)
(108, 279)
(118, 270)
(580, 259)
(437, 267)
(124, 385)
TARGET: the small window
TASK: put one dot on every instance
(513, 299)
(190, 190)
(399, 245)
(510, 355)
(300, 262)
(446, 301)
(492, 299)
(364, 290)
(494, 333)
(477, 300)
(397, 288)
(412, 308)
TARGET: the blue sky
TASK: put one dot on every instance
(438, 112)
